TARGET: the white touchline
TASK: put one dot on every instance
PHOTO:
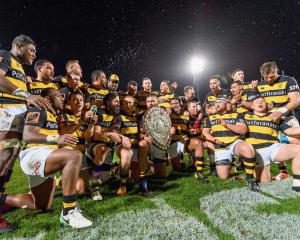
(163, 222)
(234, 212)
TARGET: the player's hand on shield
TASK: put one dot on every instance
(148, 139)
(172, 130)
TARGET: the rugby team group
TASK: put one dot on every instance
(65, 131)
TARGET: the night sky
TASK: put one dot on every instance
(157, 38)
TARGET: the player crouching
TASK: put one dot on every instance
(262, 134)
(101, 149)
(225, 129)
(127, 125)
(42, 158)
(181, 142)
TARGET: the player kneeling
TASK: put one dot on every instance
(42, 158)
(225, 129)
(181, 142)
(262, 134)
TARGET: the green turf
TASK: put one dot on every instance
(179, 190)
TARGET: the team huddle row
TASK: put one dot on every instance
(64, 125)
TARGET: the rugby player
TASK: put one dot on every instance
(127, 125)
(180, 141)
(165, 95)
(80, 125)
(216, 91)
(71, 66)
(45, 72)
(282, 93)
(225, 130)
(73, 84)
(262, 134)
(141, 96)
(238, 75)
(98, 90)
(113, 82)
(105, 137)
(14, 96)
(42, 158)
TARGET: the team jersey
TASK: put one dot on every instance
(60, 81)
(141, 98)
(69, 119)
(97, 96)
(47, 123)
(220, 132)
(15, 74)
(164, 99)
(239, 107)
(262, 130)
(36, 87)
(247, 86)
(107, 123)
(277, 94)
(181, 123)
(211, 97)
(128, 126)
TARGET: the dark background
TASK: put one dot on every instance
(157, 38)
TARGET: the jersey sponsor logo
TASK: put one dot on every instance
(52, 125)
(33, 117)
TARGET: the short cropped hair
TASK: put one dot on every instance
(23, 40)
(40, 63)
(215, 77)
(132, 83)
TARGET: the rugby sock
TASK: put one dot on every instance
(249, 166)
(7, 177)
(69, 203)
(296, 183)
(2, 182)
(199, 161)
(283, 169)
(2, 198)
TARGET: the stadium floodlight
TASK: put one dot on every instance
(196, 64)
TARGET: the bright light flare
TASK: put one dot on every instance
(196, 65)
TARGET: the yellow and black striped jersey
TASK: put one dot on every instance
(47, 123)
(164, 99)
(15, 74)
(107, 123)
(69, 118)
(239, 107)
(181, 123)
(277, 94)
(36, 87)
(129, 127)
(247, 86)
(97, 96)
(60, 81)
(141, 97)
(262, 130)
(211, 97)
(220, 132)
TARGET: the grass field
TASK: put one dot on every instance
(179, 208)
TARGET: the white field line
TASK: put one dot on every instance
(161, 223)
(233, 211)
